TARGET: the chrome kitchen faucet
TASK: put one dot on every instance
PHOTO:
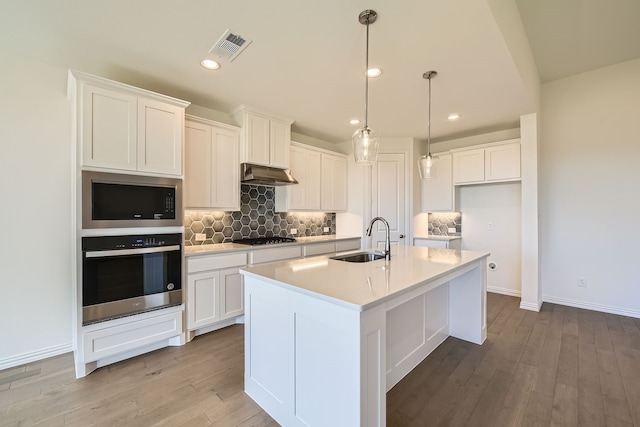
(387, 243)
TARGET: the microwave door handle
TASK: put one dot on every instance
(121, 252)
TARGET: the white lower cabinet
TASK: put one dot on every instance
(214, 289)
(437, 243)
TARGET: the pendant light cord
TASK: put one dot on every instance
(366, 82)
(429, 122)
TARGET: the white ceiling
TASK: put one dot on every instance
(306, 59)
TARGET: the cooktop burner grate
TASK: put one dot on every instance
(265, 241)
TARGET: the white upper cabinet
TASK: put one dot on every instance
(125, 128)
(212, 166)
(502, 162)
(334, 183)
(265, 137)
(437, 192)
(322, 181)
(491, 163)
(305, 168)
(468, 166)
(160, 128)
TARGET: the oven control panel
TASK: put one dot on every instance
(107, 243)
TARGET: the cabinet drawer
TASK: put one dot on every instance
(275, 254)
(106, 342)
(347, 245)
(215, 262)
(319, 249)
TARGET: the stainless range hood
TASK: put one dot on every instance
(265, 175)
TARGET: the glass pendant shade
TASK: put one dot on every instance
(425, 166)
(365, 146)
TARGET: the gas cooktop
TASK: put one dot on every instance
(265, 241)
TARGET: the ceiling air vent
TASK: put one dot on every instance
(229, 46)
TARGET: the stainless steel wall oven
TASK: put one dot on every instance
(125, 275)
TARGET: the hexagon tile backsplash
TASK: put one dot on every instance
(256, 218)
(441, 222)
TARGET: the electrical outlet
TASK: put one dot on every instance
(200, 237)
(294, 231)
(582, 282)
(451, 230)
(325, 230)
(490, 226)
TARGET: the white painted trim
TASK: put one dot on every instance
(591, 306)
(530, 306)
(34, 356)
(504, 291)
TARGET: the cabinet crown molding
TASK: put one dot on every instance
(81, 77)
(489, 144)
(210, 122)
(249, 109)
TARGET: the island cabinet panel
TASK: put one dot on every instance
(300, 361)
(414, 329)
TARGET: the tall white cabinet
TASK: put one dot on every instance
(212, 165)
(126, 128)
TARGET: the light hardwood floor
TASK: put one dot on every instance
(562, 366)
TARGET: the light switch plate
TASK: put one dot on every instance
(294, 231)
(200, 237)
(325, 230)
(451, 230)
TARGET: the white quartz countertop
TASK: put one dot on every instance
(362, 285)
(235, 247)
(439, 237)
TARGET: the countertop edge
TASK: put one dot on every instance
(220, 248)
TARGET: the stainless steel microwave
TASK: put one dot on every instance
(111, 200)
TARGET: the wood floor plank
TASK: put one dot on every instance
(613, 394)
(514, 406)
(488, 408)
(567, 372)
(545, 381)
(539, 408)
(459, 415)
(565, 406)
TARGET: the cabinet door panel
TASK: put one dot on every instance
(159, 137)
(502, 162)
(468, 166)
(334, 183)
(202, 299)
(437, 192)
(225, 169)
(231, 293)
(109, 122)
(313, 181)
(296, 193)
(197, 173)
(257, 143)
(280, 134)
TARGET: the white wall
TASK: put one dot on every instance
(35, 182)
(589, 189)
(499, 205)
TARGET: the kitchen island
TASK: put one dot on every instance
(326, 339)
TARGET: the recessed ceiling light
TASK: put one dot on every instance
(354, 121)
(453, 116)
(374, 72)
(210, 64)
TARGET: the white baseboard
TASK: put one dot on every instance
(591, 306)
(34, 356)
(530, 306)
(504, 291)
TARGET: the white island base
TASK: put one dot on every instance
(325, 339)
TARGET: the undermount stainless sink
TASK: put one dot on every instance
(359, 257)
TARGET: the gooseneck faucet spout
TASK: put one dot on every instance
(387, 243)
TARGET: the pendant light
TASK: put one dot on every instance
(365, 141)
(425, 163)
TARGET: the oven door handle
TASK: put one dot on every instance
(121, 252)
